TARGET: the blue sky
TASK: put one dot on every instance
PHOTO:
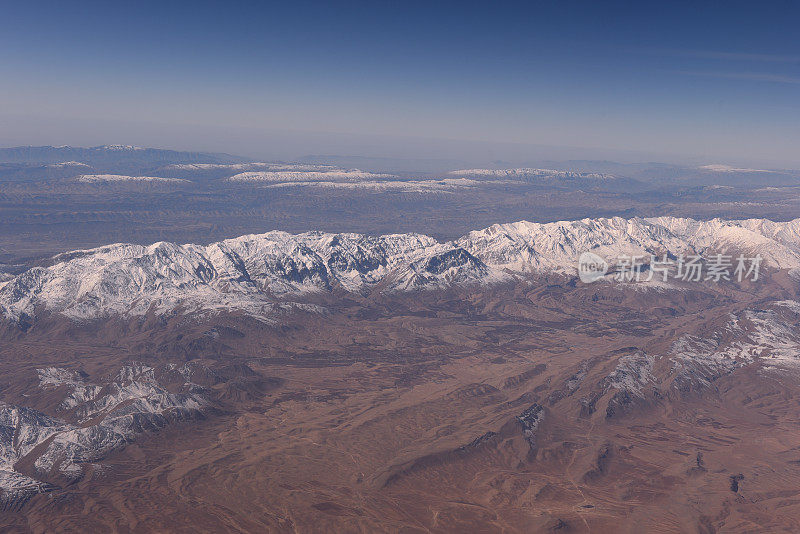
(718, 82)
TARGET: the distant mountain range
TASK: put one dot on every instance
(110, 155)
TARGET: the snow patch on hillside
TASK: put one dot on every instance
(406, 186)
(120, 178)
(255, 166)
(727, 168)
(64, 164)
(303, 176)
(532, 173)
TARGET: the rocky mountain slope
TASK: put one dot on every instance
(94, 420)
(257, 273)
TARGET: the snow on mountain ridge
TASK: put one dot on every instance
(718, 167)
(254, 166)
(525, 246)
(294, 175)
(444, 185)
(67, 164)
(119, 147)
(528, 172)
(256, 273)
(117, 178)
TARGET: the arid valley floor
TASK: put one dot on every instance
(529, 407)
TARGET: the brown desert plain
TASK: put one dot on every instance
(538, 406)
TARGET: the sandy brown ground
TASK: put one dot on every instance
(400, 415)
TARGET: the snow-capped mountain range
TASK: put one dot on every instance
(527, 172)
(254, 166)
(116, 178)
(294, 176)
(256, 274)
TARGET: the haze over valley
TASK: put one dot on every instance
(56, 199)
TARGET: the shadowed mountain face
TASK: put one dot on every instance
(290, 383)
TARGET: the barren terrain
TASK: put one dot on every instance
(519, 409)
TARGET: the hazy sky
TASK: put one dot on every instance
(652, 79)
